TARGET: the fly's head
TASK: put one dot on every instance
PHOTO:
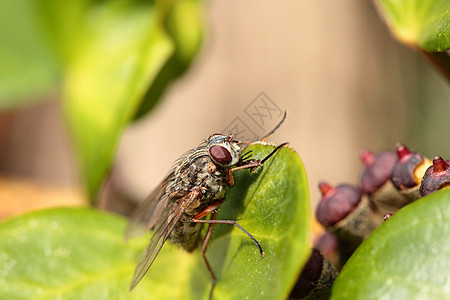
(223, 150)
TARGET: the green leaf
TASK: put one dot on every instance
(184, 23)
(106, 56)
(80, 253)
(407, 257)
(67, 254)
(423, 23)
(274, 206)
(112, 51)
(28, 70)
(120, 50)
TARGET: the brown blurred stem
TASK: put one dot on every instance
(441, 60)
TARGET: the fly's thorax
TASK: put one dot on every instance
(188, 173)
(211, 182)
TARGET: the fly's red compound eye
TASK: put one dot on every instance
(220, 154)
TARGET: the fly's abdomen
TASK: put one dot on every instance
(187, 234)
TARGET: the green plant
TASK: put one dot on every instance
(81, 253)
(109, 63)
(423, 25)
(405, 258)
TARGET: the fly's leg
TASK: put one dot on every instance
(204, 247)
(232, 222)
(211, 222)
(253, 164)
(211, 209)
(230, 177)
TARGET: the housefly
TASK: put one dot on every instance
(193, 189)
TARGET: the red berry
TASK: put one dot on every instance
(403, 172)
(377, 169)
(436, 176)
(337, 203)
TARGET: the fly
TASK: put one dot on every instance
(193, 189)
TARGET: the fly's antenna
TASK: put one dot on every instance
(276, 127)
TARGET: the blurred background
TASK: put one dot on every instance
(346, 83)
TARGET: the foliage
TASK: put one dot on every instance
(407, 257)
(81, 253)
(104, 57)
(422, 23)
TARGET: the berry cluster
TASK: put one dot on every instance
(389, 181)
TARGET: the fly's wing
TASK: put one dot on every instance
(149, 211)
(162, 231)
(152, 208)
